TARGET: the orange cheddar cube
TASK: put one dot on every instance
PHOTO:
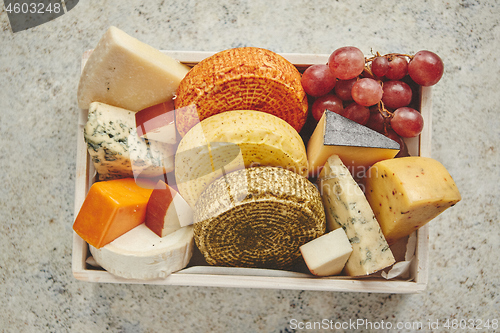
(110, 209)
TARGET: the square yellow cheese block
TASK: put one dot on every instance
(125, 72)
(327, 254)
(111, 208)
(346, 207)
(406, 193)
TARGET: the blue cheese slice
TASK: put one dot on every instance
(116, 149)
(346, 207)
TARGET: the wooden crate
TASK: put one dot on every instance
(202, 275)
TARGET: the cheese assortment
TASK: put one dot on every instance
(246, 192)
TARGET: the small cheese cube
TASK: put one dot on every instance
(167, 211)
(346, 207)
(125, 72)
(406, 193)
(358, 146)
(110, 209)
(327, 255)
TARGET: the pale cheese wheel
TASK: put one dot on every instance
(258, 217)
(235, 140)
(141, 254)
(246, 78)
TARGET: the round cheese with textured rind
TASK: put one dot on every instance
(231, 141)
(246, 78)
(141, 254)
(258, 217)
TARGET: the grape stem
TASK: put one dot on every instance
(389, 56)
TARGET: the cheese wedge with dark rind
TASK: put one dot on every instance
(258, 217)
(246, 78)
(358, 146)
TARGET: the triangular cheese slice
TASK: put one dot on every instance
(358, 146)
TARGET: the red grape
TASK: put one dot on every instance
(426, 68)
(357, 113)
(376, 122)
(343, 89)
(394, 136)
(346, 62)
(366, 92)
(318, 80)
(398, 68)
(380, 66)
(326, 102)
(407, 122)
(396, 94)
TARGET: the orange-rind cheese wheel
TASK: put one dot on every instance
(246, 78)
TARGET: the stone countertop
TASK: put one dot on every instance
(39, 70)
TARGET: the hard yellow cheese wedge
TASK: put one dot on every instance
(346, 207)
(406, 193)
(125, 72)
(232, 141)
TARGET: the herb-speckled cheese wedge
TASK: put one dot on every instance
(346, 207)
(258, 217)
(406, 193)
(232, 141)
(116, 149)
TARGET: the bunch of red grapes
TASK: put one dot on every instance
(375, 92)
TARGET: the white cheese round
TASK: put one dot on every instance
(141, 254)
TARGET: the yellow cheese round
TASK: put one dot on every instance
(258, 217)
(246, 78)
(235, 140)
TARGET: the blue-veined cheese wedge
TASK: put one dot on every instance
(346, 207)
(116, 149)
